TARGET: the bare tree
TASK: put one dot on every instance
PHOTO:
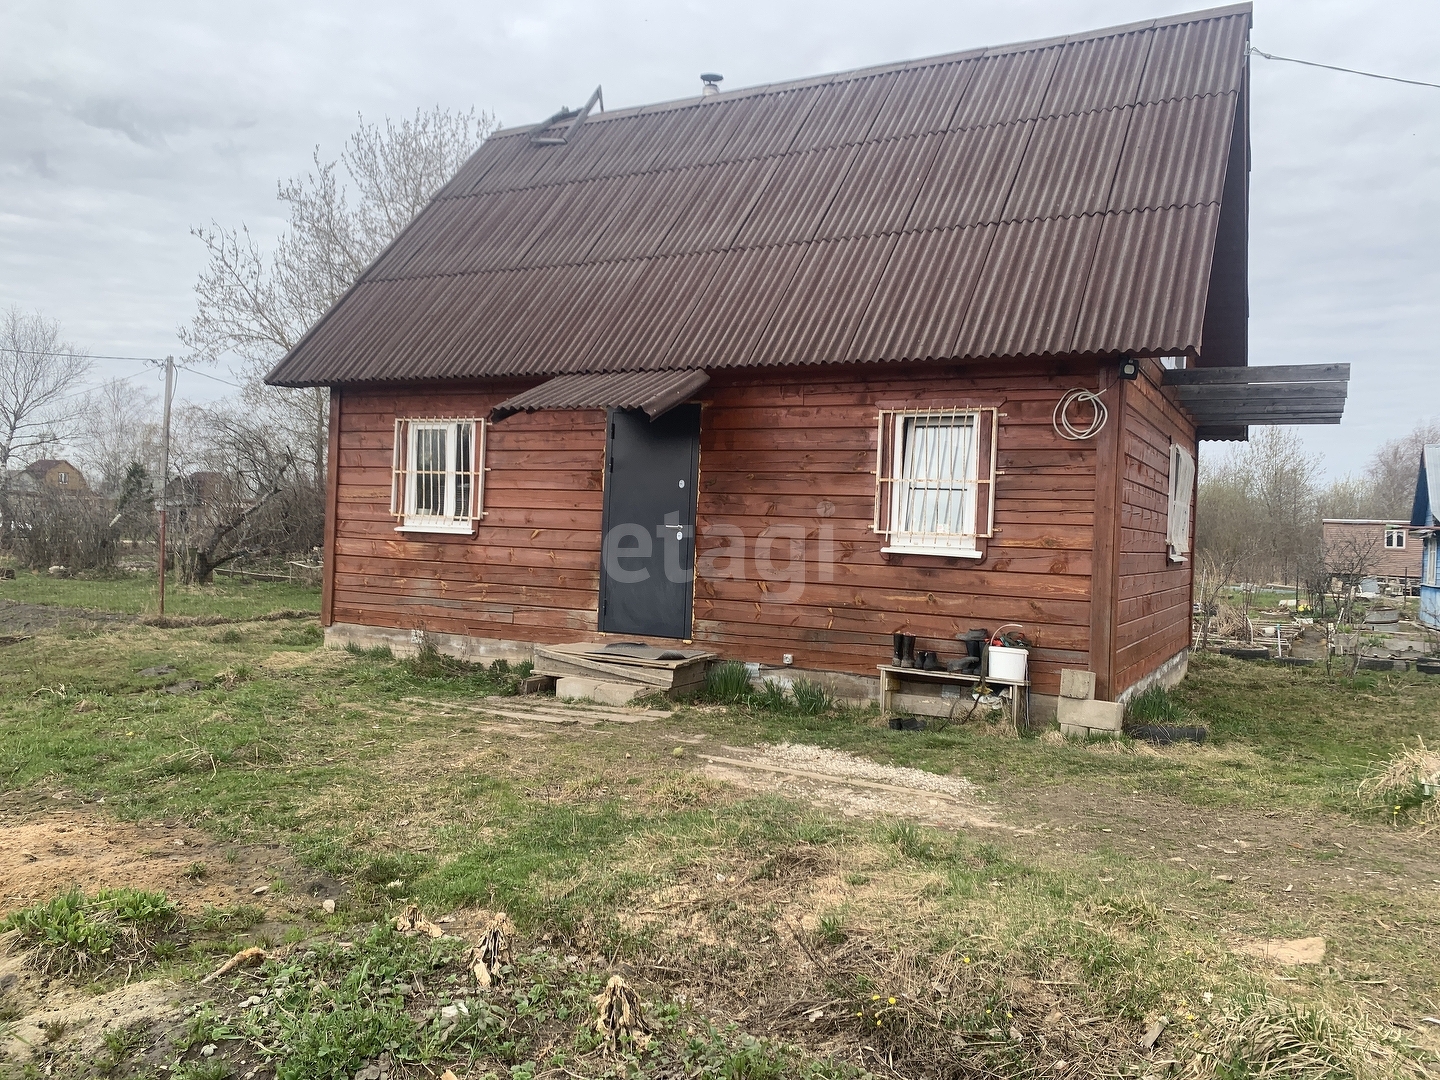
(233, 494)
(40, 374)
(1390, 475)
(120, 429)
(257, 307)
(1261, 499)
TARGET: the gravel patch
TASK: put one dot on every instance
(840, 764)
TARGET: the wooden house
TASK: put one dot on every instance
(50, 476)
(783, 371)
(1425, 528)
(1378, 548)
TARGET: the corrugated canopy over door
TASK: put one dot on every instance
(1077, 195)
(654, 392)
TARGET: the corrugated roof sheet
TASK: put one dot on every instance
(1046, 198)
(655, 392)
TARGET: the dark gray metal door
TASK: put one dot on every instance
(647, 559)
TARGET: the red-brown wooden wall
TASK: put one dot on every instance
(1152, 618)
(777, 448)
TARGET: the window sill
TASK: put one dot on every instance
(1177, 558)
(457, 528)
(940, 552)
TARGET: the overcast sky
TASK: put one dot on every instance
(123, 125)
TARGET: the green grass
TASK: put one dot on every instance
(137, 594)
(604, 845)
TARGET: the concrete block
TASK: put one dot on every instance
(574, 688)
(1080, 731)
(1101, 715)
(1078, 684)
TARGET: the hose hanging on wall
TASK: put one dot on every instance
(1061, 418)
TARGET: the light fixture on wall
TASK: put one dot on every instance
(1129, 367)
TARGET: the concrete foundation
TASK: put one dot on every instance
(474, 650)
(1167, 675)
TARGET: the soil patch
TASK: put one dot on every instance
(50, 845)
(855, 786)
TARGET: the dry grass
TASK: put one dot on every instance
(1399, 786)
(1263, 1037)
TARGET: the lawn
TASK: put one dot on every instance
(767, 933)
(131, 593)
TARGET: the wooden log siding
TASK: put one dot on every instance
(1153, 596)
(792, 448)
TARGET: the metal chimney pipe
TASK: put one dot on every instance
(711, 82)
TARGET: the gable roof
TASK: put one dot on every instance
(1053, 197)
(1426, 512)
(42, 466)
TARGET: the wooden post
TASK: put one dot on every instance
(165, 473)
(332, 507)
(1105, 566)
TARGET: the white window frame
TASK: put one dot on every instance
(405, 477)
(1431, 557)
(1394, 534)
(971, 474)
(1182, 495)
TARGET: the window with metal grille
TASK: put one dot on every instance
(1394, 538)
(1182, 490)
(935, 480)
(437, 476)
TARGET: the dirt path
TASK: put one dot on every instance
(20, 620)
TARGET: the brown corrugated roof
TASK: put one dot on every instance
(1039, 199)
(655, 392)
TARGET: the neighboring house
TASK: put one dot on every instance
(50, 474)
(1372, 548)
(784, 371)
(1425, 528)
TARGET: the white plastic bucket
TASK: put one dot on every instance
(1008, 665)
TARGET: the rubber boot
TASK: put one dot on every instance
(907, 658)
(899, 656)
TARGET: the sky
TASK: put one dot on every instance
(122, 126)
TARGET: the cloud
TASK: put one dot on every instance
(127, 124)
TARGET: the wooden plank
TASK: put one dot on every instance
(1270, 373)
(332, 511)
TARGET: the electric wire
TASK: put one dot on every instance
(1061, 416)
(1348, 71)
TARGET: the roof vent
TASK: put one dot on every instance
(712, 83)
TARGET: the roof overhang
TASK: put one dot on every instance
(1225, 401)
(654, 392)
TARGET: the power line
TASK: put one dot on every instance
(1349, 71)
(89, 356)
(136, 359)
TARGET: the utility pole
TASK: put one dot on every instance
(165, 471)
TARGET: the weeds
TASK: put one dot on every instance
(73, 932)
